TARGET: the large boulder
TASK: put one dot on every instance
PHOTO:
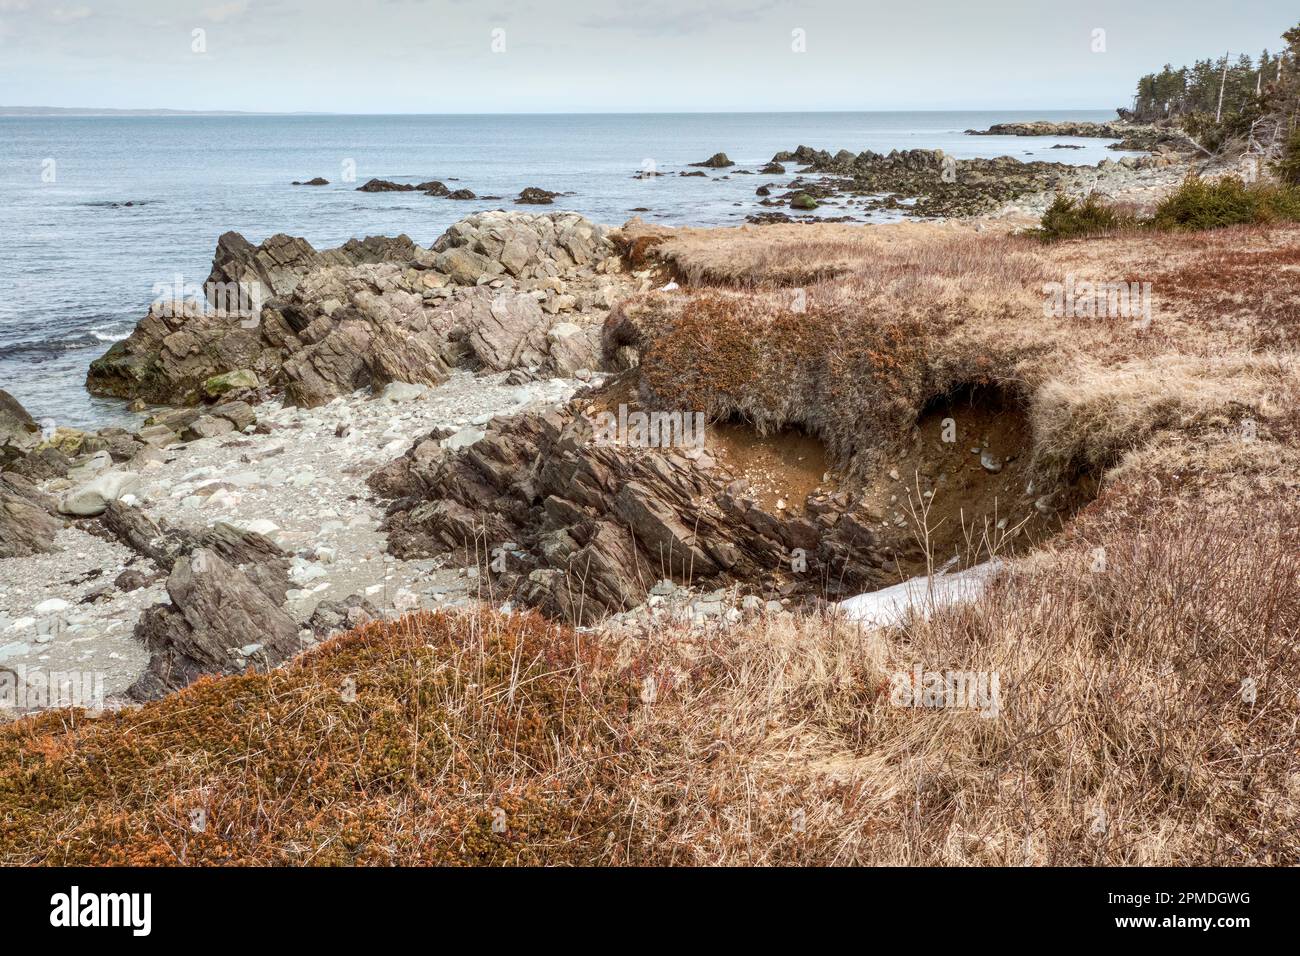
(219, 622)
(25, 528)
(504, 331)
(93, 497)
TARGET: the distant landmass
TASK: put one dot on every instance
(96, 111)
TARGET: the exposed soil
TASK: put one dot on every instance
(966, 477)
(782, 469)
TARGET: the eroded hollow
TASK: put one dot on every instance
(965, 487)
(782, 469)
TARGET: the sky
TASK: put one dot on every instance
(490, 56)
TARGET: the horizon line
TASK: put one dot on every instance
(13, 111)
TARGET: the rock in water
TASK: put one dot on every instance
(216, 614)
(536, 197)
(716, 161)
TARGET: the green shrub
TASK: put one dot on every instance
(1069, 218)
(1206, 204)
(1196, 204)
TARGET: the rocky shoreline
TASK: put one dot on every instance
(395, 426)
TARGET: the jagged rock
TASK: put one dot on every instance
(572, 348)
(385, 186)
(42, 464)
(132, 580)
(236, 381)
(137, 531)
(207, 426)
(503, 330)
(331, 617)
(527, 245)
(216, 614)
(19, 433)
(532, 195)
(365, 314)
(356, 352)
(716, 161)
(239, 414)
(25, 528)
(773, 169)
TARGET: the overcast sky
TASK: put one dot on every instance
(438, 56)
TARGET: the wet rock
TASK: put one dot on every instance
(716, 161)
(386, 186)
(317, 181)
(532, 195)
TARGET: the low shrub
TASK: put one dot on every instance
(1196, 204)
(1070, 218)
(1205, 204)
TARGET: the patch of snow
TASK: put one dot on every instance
(893, 605)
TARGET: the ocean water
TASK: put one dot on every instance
(78, 266)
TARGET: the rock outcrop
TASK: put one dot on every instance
(716, 161)
(19, 433)
(535, 196)
(27, 526)
(219, 622)
(582, 528)
(369, 313)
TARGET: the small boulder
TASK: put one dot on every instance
(237, 380)
(93, 497)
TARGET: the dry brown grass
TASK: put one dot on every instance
(1123, 736)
